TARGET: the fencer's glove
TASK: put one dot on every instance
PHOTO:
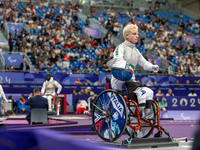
(155, 68)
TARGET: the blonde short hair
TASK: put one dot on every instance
(127, 29)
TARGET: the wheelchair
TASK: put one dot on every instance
(113, 114)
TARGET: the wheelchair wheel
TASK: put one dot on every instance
(109, 115)
(146, 129)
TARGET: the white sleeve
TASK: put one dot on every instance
(43, 89)
(2, 93)
(144, 63)
(58, 86)
(118, 52)
(84, 103)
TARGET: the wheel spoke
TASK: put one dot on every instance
(110, 131)
(109, 102)
(97, 107)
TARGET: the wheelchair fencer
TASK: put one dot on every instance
(48, 90)
(113, 112)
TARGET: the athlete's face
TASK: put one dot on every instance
(132, 36)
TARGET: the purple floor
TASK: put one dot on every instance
(176, 128)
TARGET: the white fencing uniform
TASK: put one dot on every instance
(49, 87)
(144, 94)
(130, 53)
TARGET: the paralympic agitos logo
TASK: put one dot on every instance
(117, 105)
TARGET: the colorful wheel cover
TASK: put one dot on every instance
(110, 120)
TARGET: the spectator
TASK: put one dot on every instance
(10, 42)
(159, 93)
(187, 83)
(82, 92)
(192, 93)
(22, 107)
(85, 82)
(149, 83)
(170, 93)
(97, 83)
(162, 104)
(59, 63)
(24, 65)
(156, 99)
(177, 83)
(87, 21)
(81, 106)
(155, 83)
(195, 83)
(11, 69)
(66, 63)
(89, 92)
(75, 92)
(77, 82)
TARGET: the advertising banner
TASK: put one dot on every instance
(13, 59)
(94, 32)
(13, 27)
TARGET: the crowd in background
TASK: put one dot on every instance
(61, 47)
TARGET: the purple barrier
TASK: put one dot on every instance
(43, 139)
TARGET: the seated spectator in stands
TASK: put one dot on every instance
(177, 83)
(85, 82)
(66, 57)
(71, 55)
(81, 106)
(89, 92)
(88, 45)
(96, 72)
(69, 71)
(98, 50)
(100, 19)
(162, 104)
(170, 93)
(49, 65)
(159, 93)
(22, 107)
(192, 93)
(59, 63)
(187, 83)
(178, 71)
(155, 83)
(82, 92)
(53, 58)
(97, 83)
(90, 69)
(76, 55)
(100, 64)
(39, 58)
(11, 68)
(77, 82)
(14, 102)
(66, 63)
(76, 70)
(75, 92)
(196, 83)
(149, 83)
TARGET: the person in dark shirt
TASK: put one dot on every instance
(11, 42)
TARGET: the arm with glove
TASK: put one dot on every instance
(147, 65)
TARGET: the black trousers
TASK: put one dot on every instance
(11, 48)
